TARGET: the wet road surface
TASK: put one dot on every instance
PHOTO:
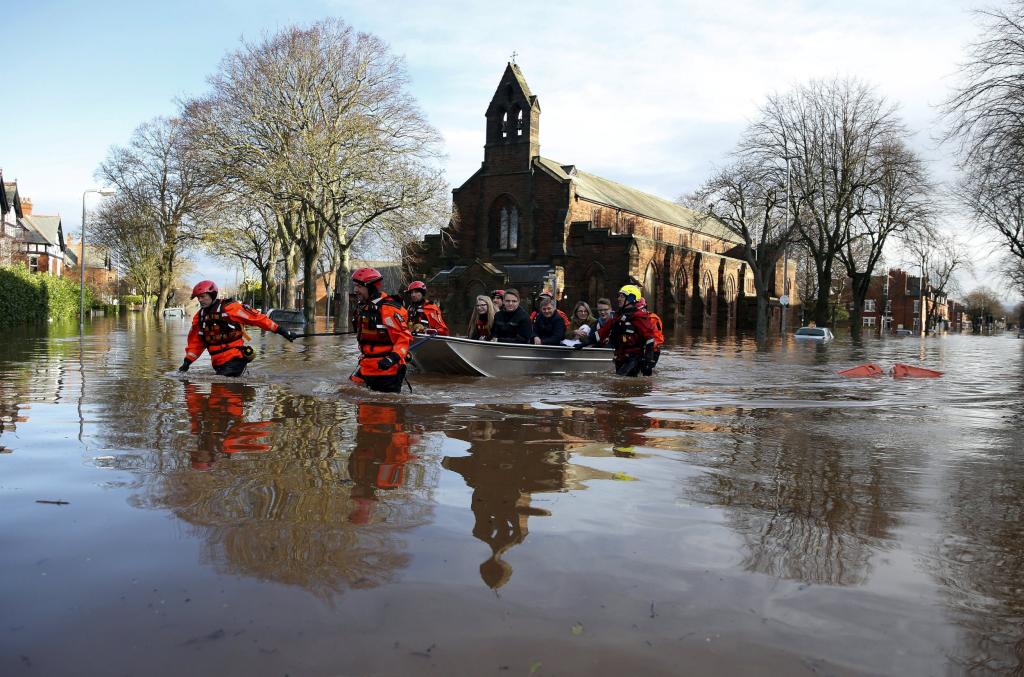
(745, 512)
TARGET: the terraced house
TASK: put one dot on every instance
(529, 222)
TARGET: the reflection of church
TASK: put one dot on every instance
(526, 221)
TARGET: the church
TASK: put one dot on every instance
(528, 222)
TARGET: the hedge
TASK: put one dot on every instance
(35, 297)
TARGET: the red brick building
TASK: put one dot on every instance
(895, 301)
(529, 222)
(100, 274)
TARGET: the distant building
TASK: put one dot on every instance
(10, 212)
(529, 222)
(40, 241)
(895, 301)
(100, 274)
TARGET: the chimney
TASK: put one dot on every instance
(26, 206)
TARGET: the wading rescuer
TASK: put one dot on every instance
(631, 335)
(219, 328)
(424, 315)
(382, 329)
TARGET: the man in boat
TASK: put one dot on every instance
(657, 325)
(548, 296)
(512, 323)
(548, 328)
(424, 315)
(498, 296)
(631, 335)
(218, 328)
(382, 329)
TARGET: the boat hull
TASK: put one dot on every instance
(464, 357)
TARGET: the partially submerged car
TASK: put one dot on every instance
(289, 318)
(814, 334)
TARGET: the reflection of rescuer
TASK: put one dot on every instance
(218, 327)
(631, 335)
(218, 422)
(382, 448)
(424, 315)
(383, 333)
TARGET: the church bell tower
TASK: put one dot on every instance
(513, 125)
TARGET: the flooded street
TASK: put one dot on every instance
(745, 512)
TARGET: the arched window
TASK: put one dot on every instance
(519, 123)
(505, 217)
(504, 124)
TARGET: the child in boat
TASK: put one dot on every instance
(481, 320)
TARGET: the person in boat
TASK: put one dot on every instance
(582, 322)
(497, 298)
(659, 329)
(631, 335)
(548, 296)
(549, 329)
(382, 330)
(481, 320)
(219, 328)
(424, 315)
(605, 314)
(512, 323)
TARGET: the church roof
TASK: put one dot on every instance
(520, 79)
(604, 191)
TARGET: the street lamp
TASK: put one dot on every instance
(105, 192)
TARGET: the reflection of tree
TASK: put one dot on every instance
(980, 560)
(812, 509)
(524, 452)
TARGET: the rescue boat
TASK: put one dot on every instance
(465, 357)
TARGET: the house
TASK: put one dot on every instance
(895, 301)
(526, 221)
(100, 274)
(10, 212)
(41, 241)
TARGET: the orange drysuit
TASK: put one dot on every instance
(218, 329)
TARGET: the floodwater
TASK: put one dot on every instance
(744, 512)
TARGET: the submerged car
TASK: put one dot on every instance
(289, 318)
(814, 334)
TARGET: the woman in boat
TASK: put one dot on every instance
(583, 322)
(548, 327)
(512, 323)
(481, 321)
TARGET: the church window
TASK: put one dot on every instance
(504, 125)
(506, 224)
(706, 245)
(657, 233)
(519, 123)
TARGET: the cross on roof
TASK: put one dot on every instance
(514, 55)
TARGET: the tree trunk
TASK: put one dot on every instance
(291, 265)
(270, 275)
(342, 285)
(821, 304)
(859, 287)
(309, 257)
(761, 333)
(165, 281)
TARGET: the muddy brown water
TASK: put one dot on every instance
(745, 512)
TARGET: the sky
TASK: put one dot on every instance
(653, 94)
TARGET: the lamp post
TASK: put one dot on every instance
(81, 262)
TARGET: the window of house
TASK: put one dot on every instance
(869, 306)
(33, 264)
(869, 321)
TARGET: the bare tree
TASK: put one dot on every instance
(248, 233)
(156, 176)
(940, 258)
(319, 121)
(832, 132)
(131, 235)
(984, 306)
(749, 199)
(896, 204)
(986, 122)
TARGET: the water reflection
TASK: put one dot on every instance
(219, 425)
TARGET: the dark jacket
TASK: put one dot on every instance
(551, 330)
(514, 327)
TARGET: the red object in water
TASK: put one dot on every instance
(863, 370)
(910, 371)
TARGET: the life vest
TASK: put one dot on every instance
(624, 336)
(217, 330)
(482, 331)
(656, 325)
(428, 315)
(372, 332)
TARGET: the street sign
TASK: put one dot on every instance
(784, 300)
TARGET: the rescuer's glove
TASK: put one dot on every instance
(387, 362)
(184, 366)
(416, 328)
(286, 334)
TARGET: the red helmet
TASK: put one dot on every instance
(204, 287)
(641, 304)
(367, 276)
(413, 286)
(498, 293)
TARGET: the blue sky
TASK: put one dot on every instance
(651, 94)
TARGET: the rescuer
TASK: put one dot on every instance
(659, 329)
(424, 315)
(382, 329)
(219, 328)
(631, 335)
